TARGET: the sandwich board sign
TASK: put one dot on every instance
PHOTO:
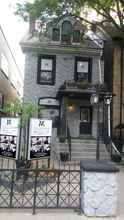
(40, 132)
(9, 137)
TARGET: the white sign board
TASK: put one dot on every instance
(40, 132)
(9, 126)
(48, 101)
(40, 127)
(9, 137)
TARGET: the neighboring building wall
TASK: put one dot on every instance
(11, 82)
(118, 88)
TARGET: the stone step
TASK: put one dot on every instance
(84, 149)
(82, 141)
(81, 147)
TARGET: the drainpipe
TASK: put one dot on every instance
(100, 71)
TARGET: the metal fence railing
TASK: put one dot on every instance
(39, 188)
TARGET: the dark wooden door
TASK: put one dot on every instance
(85, 120)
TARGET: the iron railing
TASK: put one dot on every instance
(39, 188)
(69, 141)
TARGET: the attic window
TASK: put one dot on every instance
(56, 34)
(76, 36)
(66, 32)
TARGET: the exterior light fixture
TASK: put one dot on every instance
(71, 108)
(94, 100)
(107, 101)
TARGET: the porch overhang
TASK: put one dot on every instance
(78, 93)
(81, 90)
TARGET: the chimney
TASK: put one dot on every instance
(31, 24)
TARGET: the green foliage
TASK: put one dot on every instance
(111, 12)
(26, 111)
(47, 8)
(12, 108)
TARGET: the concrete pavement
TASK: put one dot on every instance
(65, 214)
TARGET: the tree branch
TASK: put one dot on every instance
(119, 13)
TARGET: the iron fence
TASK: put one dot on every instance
(39, 188)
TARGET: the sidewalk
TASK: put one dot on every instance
(65, 214)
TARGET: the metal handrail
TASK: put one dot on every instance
(69, 140)
(114, 147)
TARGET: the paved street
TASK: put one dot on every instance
(64, 214)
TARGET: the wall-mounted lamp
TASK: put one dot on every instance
(71, 108)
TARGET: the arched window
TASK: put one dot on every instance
(66, 32)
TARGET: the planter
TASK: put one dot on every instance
(62, 139)
(64, 156)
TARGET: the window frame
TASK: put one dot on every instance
(76, 42)
(53, 71)
(83, 59)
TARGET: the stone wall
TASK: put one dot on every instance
(100, 194)
(99, 188)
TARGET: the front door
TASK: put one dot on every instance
(85, 120)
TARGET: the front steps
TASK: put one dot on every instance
(83, 149)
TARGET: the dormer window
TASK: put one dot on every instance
(76, 36)
(56, 34)
(66, 32)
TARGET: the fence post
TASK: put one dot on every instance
(58, 183)
(12, 183)
(99, 188)
(35, 189)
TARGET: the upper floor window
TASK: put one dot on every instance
(66, 32)
(46, 69)
(56, 34)
(76, 36)
(83, 69)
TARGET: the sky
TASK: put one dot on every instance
(14, 29)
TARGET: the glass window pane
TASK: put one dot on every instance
(46, 76)
(83, 76)
(85, 114)
(82, 67)
(46, 64)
